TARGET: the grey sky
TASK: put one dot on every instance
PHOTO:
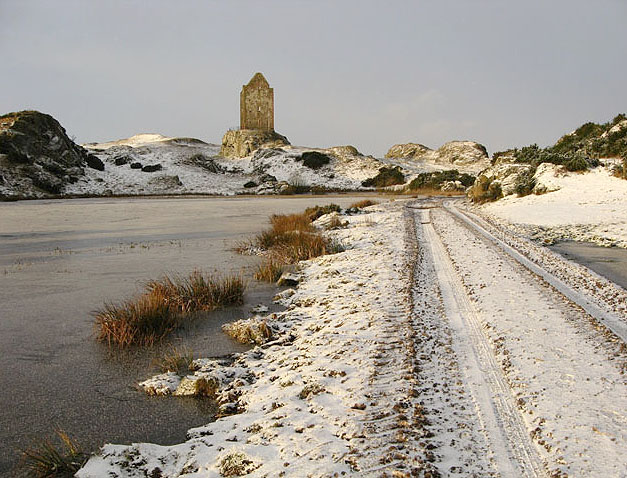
(368, 73)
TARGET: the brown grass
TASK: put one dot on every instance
(47, 460)
(142, 321)
(269, 270)
(362, 204)
(198, 291)
(290, 239)
(177, 360)
(164, 307)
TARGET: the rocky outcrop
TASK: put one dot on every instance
(242, 143)
(37, 158)
(466, 156)
(407, 150)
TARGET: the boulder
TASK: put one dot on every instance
(288, 279)
(165, 183)
(461, 152)
(95, 162)
(151, 168)
(407, 150)
(242, 143)
(122, 160)
(347, 152)
(545, 177)
(137, 165)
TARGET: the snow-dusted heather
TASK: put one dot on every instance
(190, 166)
(590, 206)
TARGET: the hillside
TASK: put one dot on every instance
(532, 170)
(37, 158)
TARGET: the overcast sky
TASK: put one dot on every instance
(367, 73)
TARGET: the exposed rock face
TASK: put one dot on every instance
(243, 142)
(37, 158)
(407, 150)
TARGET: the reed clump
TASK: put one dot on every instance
(269, 270)
(164, 306)
(291, 238)
(178, 359)
(47, 460)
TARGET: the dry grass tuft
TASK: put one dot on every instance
(236, 464)
(363, 204)
(47, 460)
(164, 307)
(198, 291)
(270, 270)
(178, 360)
(143, 321)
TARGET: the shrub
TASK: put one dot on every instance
(525, 182)
(435, 179)
(295, 189)
(577, 163)
(314, 159)
(386, 177)
(46, 460)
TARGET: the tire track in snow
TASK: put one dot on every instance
(512, 451)
(611, 320)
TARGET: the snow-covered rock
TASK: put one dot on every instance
(461, 153)
(407, 150)
(547, 177)
(465, 156)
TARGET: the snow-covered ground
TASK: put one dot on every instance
(190, 166)
(589, 206)
(427, 348)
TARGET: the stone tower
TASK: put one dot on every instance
(257, 105)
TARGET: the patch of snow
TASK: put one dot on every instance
(589, 206)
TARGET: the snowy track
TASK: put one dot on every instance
(532, 357)
(513, 452)
(611, 319)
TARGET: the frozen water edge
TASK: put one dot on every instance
(366, 378)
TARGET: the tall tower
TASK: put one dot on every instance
(257, 105)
